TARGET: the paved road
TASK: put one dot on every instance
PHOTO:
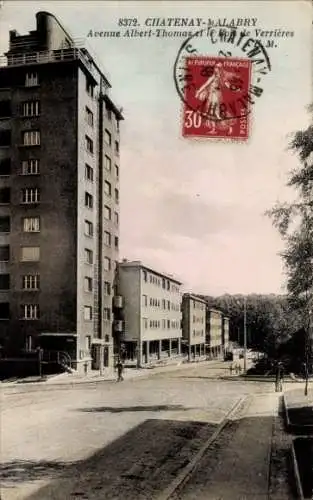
(108, 440)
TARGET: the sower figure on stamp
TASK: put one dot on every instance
(211, 93)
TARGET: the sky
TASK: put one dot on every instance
(194, 208)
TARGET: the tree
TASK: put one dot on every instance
(268, 319)
(294, 221)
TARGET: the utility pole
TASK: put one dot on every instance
(307, 350)
(245, 335)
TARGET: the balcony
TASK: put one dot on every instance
(118, 326)
(77, 52)
(118, 302)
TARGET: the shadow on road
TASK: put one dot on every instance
(144, 461)
(122, 409)
(135, 466)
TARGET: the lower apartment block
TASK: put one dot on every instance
(194, 326)
(152, 313)
(214, 333)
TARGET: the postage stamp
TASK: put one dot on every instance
(219, 76)
(217, 102)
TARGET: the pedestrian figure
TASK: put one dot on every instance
(119, 367)
(231, 369)
(239, 369)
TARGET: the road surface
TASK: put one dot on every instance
(132, 440)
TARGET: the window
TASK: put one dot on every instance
(88, 342)
(31, 282)
(107, 212)
(168, 285)
(116, 218)
(117, 197)
(5, 194)
(107, 163)
(30, 167)
(89, 88)
(107, 264)
(168, 324)
(30, 195)
(117, 172)
(5, 109)
(107, 188)
(31, 224)
(107, 137)
(31, 108)
(5, 138)
(107, 238)
(88, 284)
(5, 224)
(116, 242)
(5, 166)
(89, 116)
(145, 323)
(168, 305)
(4, 282)
(116, 123)
(145, 300)
(30, 311)
(88, 313)
(145, 276)
(30, 254)
(89, 144)
(88, 228)
(31, 79)
(4, 310)
(88, 172)
(107, 313)
(88, 256)
(107, 288)
(4, 253)
(31, 138)
(88, 200)
(108, 112)
(117, 148)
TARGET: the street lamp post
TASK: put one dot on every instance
(245, 335)
(307, 351)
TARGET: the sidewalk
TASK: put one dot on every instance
(239, 466)
(110, 374)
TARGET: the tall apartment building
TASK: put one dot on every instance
(214, 333)
(194, 325)
(152, 312)
(59, 197)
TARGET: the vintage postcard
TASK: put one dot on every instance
(156, 257)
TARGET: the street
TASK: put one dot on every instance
(133, 439)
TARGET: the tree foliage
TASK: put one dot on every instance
(269, 319)
(294, 221)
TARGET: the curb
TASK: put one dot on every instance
(296, 472)
(305, 429)
(187, 471)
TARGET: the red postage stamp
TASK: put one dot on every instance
(217, 101)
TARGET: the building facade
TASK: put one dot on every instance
(152, 312)
(214, 333)
(194, 326)
(59, 197)
(225, 337)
